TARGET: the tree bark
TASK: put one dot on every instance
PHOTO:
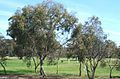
(41, 67)
(37, 67)
(3, 68)
(34, 64)
(79, 68)
(110, 75)
(88, 72)
(93, 74)
(57, 67)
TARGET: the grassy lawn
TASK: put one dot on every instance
(66, 68)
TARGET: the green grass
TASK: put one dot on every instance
(66, 68)
(16, 66)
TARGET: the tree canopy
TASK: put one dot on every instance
(33, 28)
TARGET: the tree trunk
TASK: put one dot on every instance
(41, 68)
(91, 78)
(57, 67)
(34, 64)
(88, 72)
(3, 68)
(110, 75)
(37, 67)
(93, 74)
(79, 68)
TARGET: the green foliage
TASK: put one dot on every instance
(27, 60)
(34, 28)
(87, 44)
(69, 55)
(103, 64)
(118, 68)
(51, 62)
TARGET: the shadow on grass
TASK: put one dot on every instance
(15, 72)
(66, 74)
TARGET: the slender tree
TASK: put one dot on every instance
(93, 44)
(112, 59)
(75, 46)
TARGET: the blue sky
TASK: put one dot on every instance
(107, 10)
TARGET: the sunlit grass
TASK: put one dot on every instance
(66, 68)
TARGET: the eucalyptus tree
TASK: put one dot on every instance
(112, 56)
(75, 46)
(93, 43)
(35, 27)
(2, 52)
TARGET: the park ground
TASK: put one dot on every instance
(67, 69)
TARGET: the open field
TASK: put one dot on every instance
(66, 68)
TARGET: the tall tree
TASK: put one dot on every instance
(75, 46)
(35, 27)
(93, 44)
